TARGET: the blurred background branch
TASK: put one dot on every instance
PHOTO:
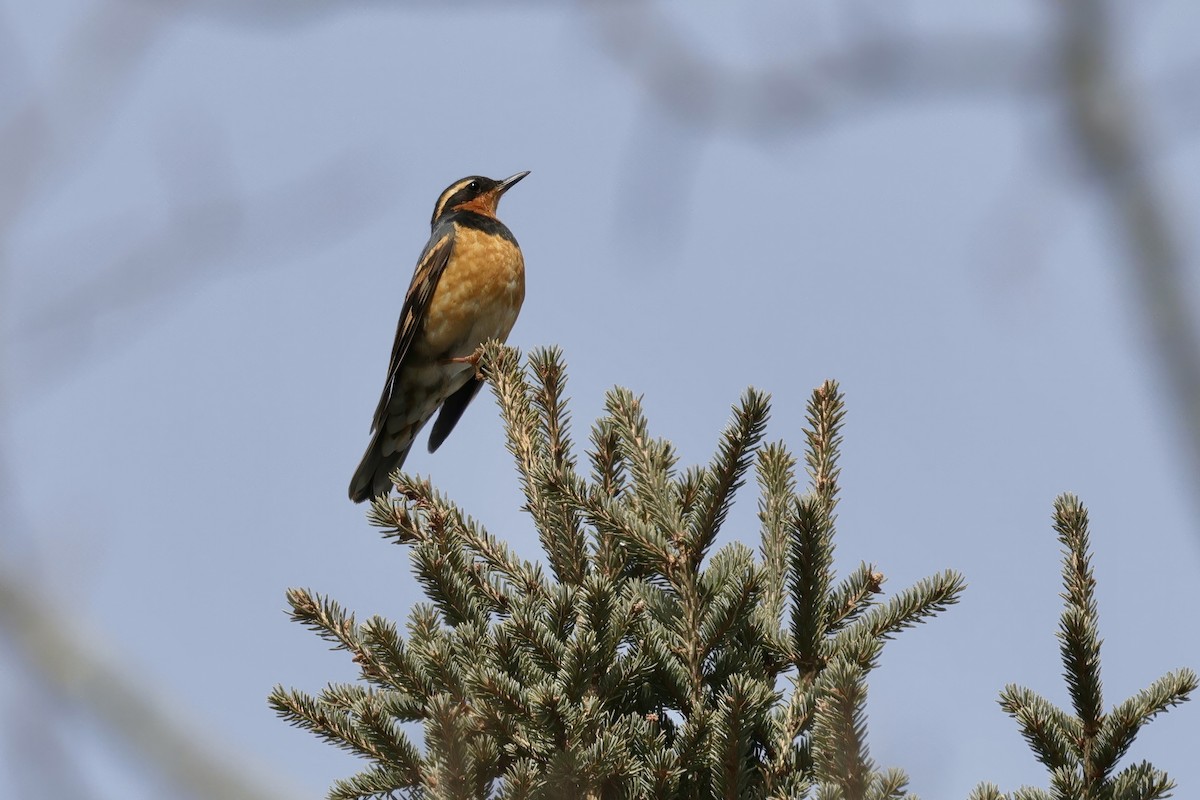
(206, 236)
(49, 131)
(72, 666)
(1105, 120)
(818, 86)
(845, 65)
(1073, 64)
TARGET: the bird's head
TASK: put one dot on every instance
(473, 193)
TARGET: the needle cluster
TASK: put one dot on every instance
(1081, 750)
(636, 660)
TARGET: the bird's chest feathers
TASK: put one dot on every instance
(478, 296)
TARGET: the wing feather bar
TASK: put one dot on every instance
(425, 279)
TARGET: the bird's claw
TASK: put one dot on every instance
(473, 360)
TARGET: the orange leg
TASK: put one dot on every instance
(472, 359)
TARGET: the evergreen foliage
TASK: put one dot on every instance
(1081, 751)
(637, 663)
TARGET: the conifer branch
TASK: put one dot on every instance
(377, 781)
(986, 791)
(686, 490)
(809, 577)
(641, 664)
(450, 580)
(776, 470)
(1082, 751)
(558, 463)
(731, 588)
(340, 726)
(1141, 781)
(422, 514)
(727, 471)
(451, 771)
(691, 753)
(547, 366)
(326, 618)
(535, 421)
(608, 466)
(839, 731)
(642, 544)
(1080, 641)
(1067, 782)
(1051, 732)
(811, 572)
(1028, 793)
(379, 728)
(523, 780)
(789, 722)
(912, 606)
(852, 597)
(651, 463)
(608, 476)
(737, 732)
(1123, 723)
(393, 661)
(826, 413)
(858, 645)
(889, 784)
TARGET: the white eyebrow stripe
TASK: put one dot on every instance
(440, 207)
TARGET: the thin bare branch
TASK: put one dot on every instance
(1104, 118)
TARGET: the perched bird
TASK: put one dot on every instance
(467, 288)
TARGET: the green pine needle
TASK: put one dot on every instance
(1126, 720)
(633, 661)
(809, 577)
(1051, 732)
(986, 791)
(776, 470)
(377, 781)
(726, 473)
(1082, 751)
(914, 605)
(1141, 781)
(1078, 630)
(839, 730)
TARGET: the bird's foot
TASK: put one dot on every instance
(472, 359)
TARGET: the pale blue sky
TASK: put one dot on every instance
(200, 295)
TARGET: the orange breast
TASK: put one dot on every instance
(478, 297)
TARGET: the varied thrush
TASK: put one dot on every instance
(467, 288)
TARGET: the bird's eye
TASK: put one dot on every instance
(473, 186)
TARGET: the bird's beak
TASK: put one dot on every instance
(508, 183)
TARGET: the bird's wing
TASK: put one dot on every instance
(425, 279)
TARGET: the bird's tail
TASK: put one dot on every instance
(371, 478)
